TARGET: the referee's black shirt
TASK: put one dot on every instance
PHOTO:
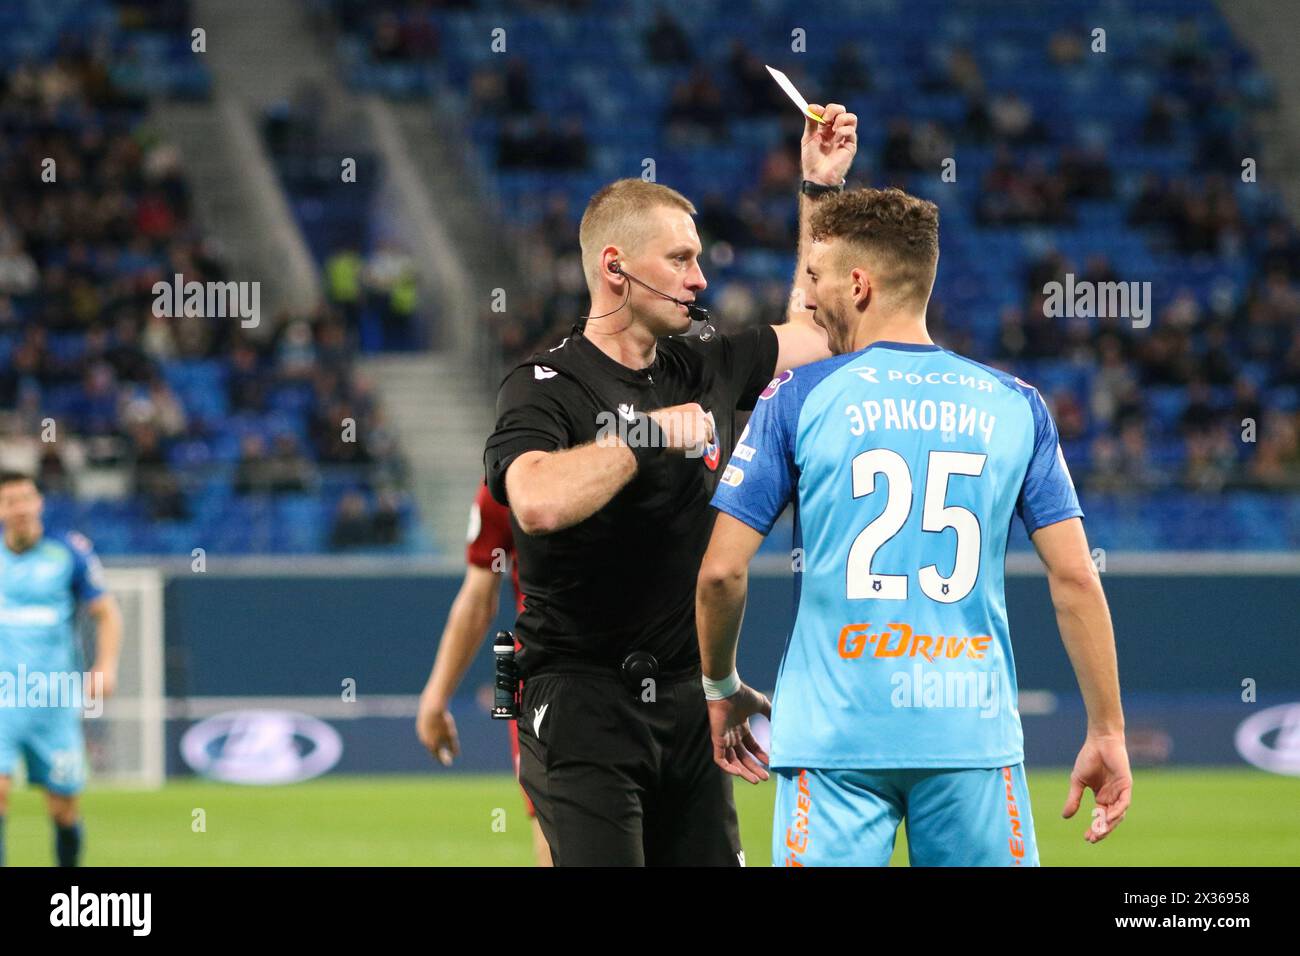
(623, 579)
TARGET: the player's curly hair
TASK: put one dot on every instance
(897, 233)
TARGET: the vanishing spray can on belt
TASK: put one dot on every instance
(505, 703)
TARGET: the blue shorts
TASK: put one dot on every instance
(954, 817)
(50, 741)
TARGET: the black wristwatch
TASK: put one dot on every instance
(817, 190)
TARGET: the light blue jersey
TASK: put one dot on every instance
(905, 464)
(39, 592)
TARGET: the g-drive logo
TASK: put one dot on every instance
(74, 908)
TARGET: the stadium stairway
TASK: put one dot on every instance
(263, 52)
(458, 187)
(440, 431)
(270, 54)
(417, 216)
(442, 403)
(246, 213)
(1270, 29)
(258, 53)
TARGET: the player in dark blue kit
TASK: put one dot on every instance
(42, 581)
(897, 692)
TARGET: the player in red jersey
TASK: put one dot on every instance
(490, 550)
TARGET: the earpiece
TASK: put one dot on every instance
(696, 313)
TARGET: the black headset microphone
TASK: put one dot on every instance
(697, 313)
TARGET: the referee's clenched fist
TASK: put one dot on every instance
(686, 428)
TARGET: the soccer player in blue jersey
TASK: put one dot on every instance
(42, 580)
(896, 698)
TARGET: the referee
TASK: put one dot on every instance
(607, 449)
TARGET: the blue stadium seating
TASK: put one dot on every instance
(608, 81)
(147, 59)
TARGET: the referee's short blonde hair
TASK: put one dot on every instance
(616, 216)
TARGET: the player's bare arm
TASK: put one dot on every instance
(826, 153)
(1084, 619)
(108, 641)
(471, 614)
(719, 608)
(551, 491)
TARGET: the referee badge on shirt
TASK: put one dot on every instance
(712, 451)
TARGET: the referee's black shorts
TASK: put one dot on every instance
(618, 780)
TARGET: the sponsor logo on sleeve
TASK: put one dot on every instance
(775, 384)
(79, 541)
(744, 451)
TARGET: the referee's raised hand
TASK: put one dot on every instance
(734, 748)
(827, 148)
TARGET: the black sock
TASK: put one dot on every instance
(67, 843)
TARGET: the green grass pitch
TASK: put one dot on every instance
(1192, 817)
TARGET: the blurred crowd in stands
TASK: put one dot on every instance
(188, 415)
(96, 387)
(383, 284)
(1233, 360)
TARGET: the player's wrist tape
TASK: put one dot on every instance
(651, 441)
(720, 689)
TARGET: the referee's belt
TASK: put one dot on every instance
(634, 669)
(639, 667)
